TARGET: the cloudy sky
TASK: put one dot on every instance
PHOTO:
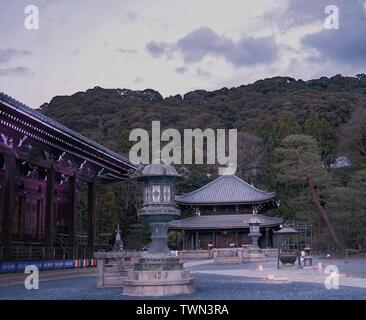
(173, 46)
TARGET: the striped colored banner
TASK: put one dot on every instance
(6, 267)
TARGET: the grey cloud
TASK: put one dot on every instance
(8, 54)
(181, 70)
(203, 42)
(203, 74)
(126, 51)
(347, 44)
(16, 71)
(157, 49)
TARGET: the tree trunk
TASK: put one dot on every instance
(323, 214)
(315, 198)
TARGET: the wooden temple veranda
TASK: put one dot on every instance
(43, 165)
(219, 215)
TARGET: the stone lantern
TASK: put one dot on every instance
(158, 272)
(118, 243)
(254, 253)
(158, 207)
(254, 232)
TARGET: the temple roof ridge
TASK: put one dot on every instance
(226, 189)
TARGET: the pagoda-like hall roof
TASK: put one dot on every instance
(228, 189)
(227, 221)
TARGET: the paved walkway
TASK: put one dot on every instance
(348, 272)
(304, 276)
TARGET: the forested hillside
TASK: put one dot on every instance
(290, 133)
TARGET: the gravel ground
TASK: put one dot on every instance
(208, 287)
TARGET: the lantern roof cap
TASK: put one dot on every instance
(158, 169)
(287, 230)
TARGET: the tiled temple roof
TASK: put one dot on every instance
(226, 190)
(230, 221)
(20, 107)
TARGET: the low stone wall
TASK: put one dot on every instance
(132, 257)
(186, 255)
(112, 267)
(194, 255)
(228, 256)
(271, 253)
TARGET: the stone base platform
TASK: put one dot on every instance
(111, 269)
(113, 278)
(158, 283)
(254, 256)
(227, 255)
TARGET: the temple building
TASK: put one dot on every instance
(43, 166)
(220, 212)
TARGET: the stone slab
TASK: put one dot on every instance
(159, 283)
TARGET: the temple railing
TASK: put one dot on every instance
(26, 251)
(62, 240)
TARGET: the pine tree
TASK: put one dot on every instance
(299, 165)
(287, 126)
(322, 131)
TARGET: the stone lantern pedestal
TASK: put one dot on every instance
(254, 254)
(159, 272)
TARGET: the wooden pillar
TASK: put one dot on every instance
(21, 218)
(184, 239)
(72, 215)
(50, 208)
(214, 239)
(2, 198)
(8, 203)
(197, 240)
(236, 238)
(92, 212)
(267, 238)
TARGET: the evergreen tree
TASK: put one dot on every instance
(299, 165)
(348, 205)
(287, 126)
(322, 131)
